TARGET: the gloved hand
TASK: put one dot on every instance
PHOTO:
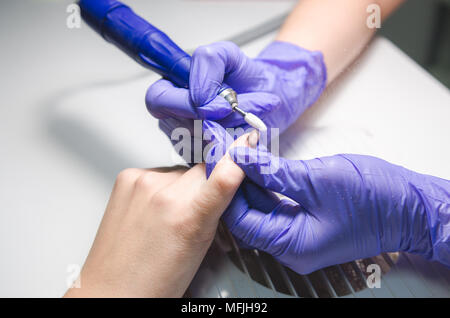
(346, 207)
(277, 86)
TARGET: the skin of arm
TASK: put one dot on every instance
(337, 28)
(157, 228)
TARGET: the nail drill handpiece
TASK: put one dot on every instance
(150, 47)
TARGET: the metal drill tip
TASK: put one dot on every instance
(254, 121)
(240, 111)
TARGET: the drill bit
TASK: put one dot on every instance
(251, 119)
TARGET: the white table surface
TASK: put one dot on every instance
(73, 116)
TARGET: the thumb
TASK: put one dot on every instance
(223, 181)
(210, 65)
(214, 195)
(269, 232)
(218, 191)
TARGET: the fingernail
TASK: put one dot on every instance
(253, 138)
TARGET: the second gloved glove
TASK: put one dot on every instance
(341, 208)
(346, 207)
(277, 86)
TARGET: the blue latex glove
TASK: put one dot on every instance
(277, 86)
(346, 207)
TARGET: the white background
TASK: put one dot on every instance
(72, 116)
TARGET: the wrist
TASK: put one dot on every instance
(289, 56)
(301, 75)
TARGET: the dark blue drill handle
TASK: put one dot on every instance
(150, 47)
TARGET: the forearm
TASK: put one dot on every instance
(337, 28)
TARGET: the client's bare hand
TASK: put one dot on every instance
(157, 227)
